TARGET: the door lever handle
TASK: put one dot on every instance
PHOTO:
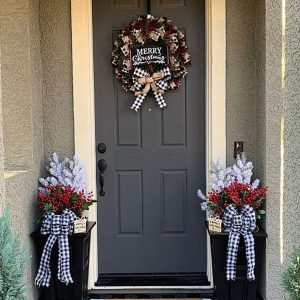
(102, 166)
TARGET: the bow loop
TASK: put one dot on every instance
(58, 224)
(144, 82)
(243, 222)
(46, 225)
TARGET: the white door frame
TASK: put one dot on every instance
(84, 108)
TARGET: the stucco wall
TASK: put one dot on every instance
(274, 109)
(245, 79)
(23, 114)
(241, 76)
(16, 84)
(260, 113)
(291, 134)
(2, 187)
(282, 138)
(260, 83)
(55, 22)
(246, 84)
(36, 81)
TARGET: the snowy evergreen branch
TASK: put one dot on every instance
(67, 172)
(222, 177)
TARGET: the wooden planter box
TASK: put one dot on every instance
(79, 255)
(241, 289)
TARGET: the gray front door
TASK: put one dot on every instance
(150, 221)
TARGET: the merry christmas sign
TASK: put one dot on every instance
(157, 55)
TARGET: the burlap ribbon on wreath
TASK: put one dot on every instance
(149, 83)
(144, 82)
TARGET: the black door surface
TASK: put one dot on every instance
(149, 222)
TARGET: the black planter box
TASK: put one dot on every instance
(79, 255)
(241, 288)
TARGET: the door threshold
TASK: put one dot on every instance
(153, 279)
(151, 292)
(162, 287)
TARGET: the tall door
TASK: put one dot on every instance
(149, 220)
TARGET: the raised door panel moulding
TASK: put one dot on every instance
(126, 4)
(173, 201)
(172, 3)
(130, 196)
(173, 123)
(129, 127)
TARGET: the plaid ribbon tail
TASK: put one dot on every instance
(44, 273)
(138, 102)
(160, 99)
(64, 274)
(250, 255)
(233, 244)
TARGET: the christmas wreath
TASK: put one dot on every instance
(150, 56)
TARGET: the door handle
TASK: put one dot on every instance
(102, 166)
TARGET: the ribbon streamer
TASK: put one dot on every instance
(144, 82)
(58, 227)
(242, 223)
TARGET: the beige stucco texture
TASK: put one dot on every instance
(2, 187)
(55, 26)
(263, 110)
(282, 137)
(245, 84)
(16, 85)
(241, 79)
(36, 106)
(290, 142)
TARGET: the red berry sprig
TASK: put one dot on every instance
(59, 197)
(238, 194)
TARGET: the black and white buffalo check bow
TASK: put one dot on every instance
(240, 223)
(144, 82)
(58, 227)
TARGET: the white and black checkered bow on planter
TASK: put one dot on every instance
(158, 82)
(240, 223)
(58, 227)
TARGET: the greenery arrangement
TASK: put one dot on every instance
(13, 261)
(291, 277)
(65, 188)
(233, 186)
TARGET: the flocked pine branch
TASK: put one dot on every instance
(222, 177)
(67, 172)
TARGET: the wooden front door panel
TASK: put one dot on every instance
(149, 220)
